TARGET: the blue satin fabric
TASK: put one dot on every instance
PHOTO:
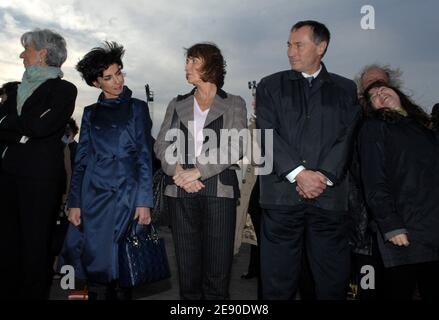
(112, 176)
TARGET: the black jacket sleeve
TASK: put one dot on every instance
(285, 157)
(336, 163)
(375, 176)
(40, 123)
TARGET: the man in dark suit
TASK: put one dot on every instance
(312, 115)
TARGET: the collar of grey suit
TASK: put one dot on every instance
(185, 107)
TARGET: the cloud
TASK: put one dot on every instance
(251, 33)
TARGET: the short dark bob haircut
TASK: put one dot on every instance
(214, 65)
(98, 60)
(413, 111)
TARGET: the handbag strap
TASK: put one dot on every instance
(148, 230)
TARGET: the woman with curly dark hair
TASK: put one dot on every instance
(202, 194)
(112, 179)
(400, 173)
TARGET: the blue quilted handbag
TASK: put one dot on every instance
(142, 256)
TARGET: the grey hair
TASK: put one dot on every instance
(394, 75)
(50, 40)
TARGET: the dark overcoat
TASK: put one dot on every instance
(112, 176)
(400, 173)
(313, 127)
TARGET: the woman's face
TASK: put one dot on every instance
(193, 69)
(111, 82)
(384, 97)
(32, 56)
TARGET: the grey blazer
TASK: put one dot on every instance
(227, 112)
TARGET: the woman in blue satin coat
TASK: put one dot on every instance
(112, 179)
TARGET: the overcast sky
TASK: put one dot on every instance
(251, 33)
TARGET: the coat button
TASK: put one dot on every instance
(303, 161)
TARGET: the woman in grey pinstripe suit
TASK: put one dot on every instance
(202, 195)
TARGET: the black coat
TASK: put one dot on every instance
(313, 127)
(400, 173)
(360, 231)
(43, 120)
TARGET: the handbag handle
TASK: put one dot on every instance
(136, 231)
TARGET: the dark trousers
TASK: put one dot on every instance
(254, 266)
(381, 282)
(29, 209)
(255, 211)
(306, 281)
(203, 230)
(108, 291)
(284, 236)
(402, 281)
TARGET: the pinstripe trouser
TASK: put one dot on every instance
(203, 229)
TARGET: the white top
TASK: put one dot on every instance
(199, 120)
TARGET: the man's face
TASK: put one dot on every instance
(373, 75)
(303, 53)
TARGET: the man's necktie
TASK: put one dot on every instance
(310, 79)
